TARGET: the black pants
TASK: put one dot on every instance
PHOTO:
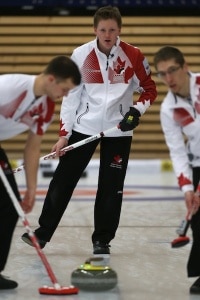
(8, 214)
(114, 154)
(193, 266)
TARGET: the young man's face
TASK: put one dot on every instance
(57, 89)
(107, 32)
(173, 75)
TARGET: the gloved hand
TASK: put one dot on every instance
(130, 120)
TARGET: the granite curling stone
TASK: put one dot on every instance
(94, 275)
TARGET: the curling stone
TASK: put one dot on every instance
(93, 275)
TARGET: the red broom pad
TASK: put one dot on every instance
(46, 290)
(180, 242)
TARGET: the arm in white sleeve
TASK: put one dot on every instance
(178, 153)
(68, 110)
(69, 107)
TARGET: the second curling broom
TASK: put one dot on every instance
(182, 239)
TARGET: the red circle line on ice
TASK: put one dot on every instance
(131, 193)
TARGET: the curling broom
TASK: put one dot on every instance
(56, 289)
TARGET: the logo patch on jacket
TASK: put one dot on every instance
(120, 72)
(117, 162)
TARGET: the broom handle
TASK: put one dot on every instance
(75, 145)
(186, 224)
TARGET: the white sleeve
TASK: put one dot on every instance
(69, 106)
(178, 153)
(68, 110)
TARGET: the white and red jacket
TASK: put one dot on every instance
(180, 121)
(107, 88)
(19, 109)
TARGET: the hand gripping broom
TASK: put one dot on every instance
(75, 145)
(56, 289)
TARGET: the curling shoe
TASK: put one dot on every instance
(195, 288)
(7, 284)
(101, 248)
(26, 238)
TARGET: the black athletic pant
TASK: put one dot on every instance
(193, 266)
(8, 214)
(114, 154)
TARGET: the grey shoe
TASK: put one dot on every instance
(6, 284)
(26, 238)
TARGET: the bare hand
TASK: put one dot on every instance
(28, 202)
(61, 143)
(192, 201)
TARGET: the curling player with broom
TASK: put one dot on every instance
(27, 104)
(180, 120)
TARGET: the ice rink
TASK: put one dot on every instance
(141, 254)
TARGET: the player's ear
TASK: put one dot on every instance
(51, 78)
